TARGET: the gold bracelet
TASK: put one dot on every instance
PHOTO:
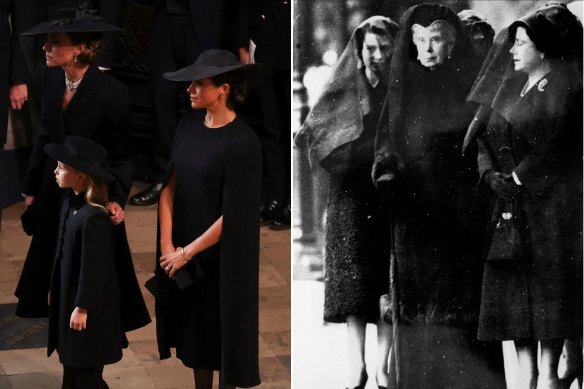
(184, 255)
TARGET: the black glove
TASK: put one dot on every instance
(502, 184)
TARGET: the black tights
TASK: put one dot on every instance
(204, 379)
(83, 378)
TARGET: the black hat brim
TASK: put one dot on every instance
(73, 27)
(63, 154)
(254, 74)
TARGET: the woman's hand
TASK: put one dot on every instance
(502, 184)
(173, 261)
(78, 320)
(116, 212)
(18, 96)
(166, 249)
(28, 200)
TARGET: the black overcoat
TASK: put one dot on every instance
(13, 70)
(84, 275)
(206, 15)
(98, 111)
(539, 137)
(267, 23)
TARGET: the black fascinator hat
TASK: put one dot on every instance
(82, 154)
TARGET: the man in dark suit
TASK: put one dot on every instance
(267, 24)
(182, 29)
(13, 88)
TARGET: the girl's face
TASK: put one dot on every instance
(204, 94)
(526, 57)
(376, 52)
(67, 177)
(59, 50)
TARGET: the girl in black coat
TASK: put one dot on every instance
(84, 316)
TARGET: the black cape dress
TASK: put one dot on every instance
(213, 323)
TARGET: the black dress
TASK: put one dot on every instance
(357, 234)
(217, 172)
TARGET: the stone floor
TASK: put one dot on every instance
(29, 368)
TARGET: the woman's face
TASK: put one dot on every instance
(67, 177)
(59, 50)
(204, 94)
(431, 44)
(526, 57)
(376, 52)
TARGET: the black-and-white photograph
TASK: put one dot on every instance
(437, 229)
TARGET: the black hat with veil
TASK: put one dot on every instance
(337, 116)
(418, 92)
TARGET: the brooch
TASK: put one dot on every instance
(542, 84)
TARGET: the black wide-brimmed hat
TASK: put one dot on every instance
(214, 62)
(72, 20)
(82, 154)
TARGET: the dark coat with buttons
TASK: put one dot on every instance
(84, 276)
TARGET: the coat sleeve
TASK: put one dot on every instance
(111, 12)
(23, 15)
(121, 150)
(96, 251)
(34, 174)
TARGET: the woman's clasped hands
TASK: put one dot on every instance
(174, 260)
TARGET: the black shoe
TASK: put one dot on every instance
(269, 212)
(282, 219)
(147, 197)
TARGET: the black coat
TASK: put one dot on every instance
(84, 276)
(539, 137)
(99, 111)
(267, 23)
(206, 15)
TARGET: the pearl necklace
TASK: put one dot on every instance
(72, 85)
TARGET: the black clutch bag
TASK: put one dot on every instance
(507, 235)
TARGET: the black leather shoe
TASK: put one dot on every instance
(282, 219)
(269, 212)
(147, 197)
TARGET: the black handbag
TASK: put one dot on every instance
(507, 232)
